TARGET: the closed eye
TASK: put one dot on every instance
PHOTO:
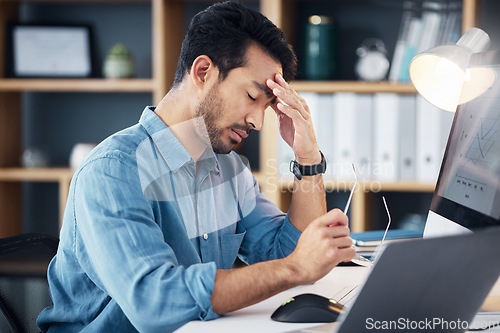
(253, 99)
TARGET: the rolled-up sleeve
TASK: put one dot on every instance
(122, 250)
(269, 233)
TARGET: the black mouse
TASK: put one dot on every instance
(308, 308)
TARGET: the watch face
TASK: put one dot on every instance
(373, 66)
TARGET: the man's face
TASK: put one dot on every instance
(233, 107)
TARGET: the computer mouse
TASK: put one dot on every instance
(308, 308)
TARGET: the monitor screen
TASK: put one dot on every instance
(467, 194)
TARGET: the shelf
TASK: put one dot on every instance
(79, 1)
(361, 87)
(369, 186)
(62, 174)
(36, 174)
(408, 187)
(78, 85)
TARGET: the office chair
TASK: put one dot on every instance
(24, 290)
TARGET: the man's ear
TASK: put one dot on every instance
(202, 70)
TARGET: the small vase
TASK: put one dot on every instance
(118, 63)
(79, 153)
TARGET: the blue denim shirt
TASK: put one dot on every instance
(145, 229)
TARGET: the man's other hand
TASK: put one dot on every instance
(322, 246)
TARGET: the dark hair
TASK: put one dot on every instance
(224, 31)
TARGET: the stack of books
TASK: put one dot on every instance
(389, 137)
(367, 242)
(424, 24)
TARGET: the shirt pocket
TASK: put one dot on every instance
(230, 246)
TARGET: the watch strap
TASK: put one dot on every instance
(300, 170)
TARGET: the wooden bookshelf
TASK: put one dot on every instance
(167, 29)
(362, 203)
(166, 16)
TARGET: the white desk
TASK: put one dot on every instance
(257, 318)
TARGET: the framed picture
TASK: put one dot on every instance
(50, 51)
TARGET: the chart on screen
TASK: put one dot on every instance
(473, 173)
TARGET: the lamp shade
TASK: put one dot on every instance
(441, 74)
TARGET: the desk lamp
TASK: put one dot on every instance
(442, 74)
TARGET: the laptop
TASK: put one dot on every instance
(435, 284)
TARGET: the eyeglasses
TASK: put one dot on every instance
(359, 259)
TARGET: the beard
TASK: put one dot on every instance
(212, 111)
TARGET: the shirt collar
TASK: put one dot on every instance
(166, 143)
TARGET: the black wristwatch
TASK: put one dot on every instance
(308, 170)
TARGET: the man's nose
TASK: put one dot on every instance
(256, 118)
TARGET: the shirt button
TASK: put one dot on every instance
(205, 236)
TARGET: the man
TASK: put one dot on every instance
(158, 213)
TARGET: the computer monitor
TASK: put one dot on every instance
(467, 194)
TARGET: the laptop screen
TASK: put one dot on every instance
(467, 194)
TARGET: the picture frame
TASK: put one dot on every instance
(50, 51)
